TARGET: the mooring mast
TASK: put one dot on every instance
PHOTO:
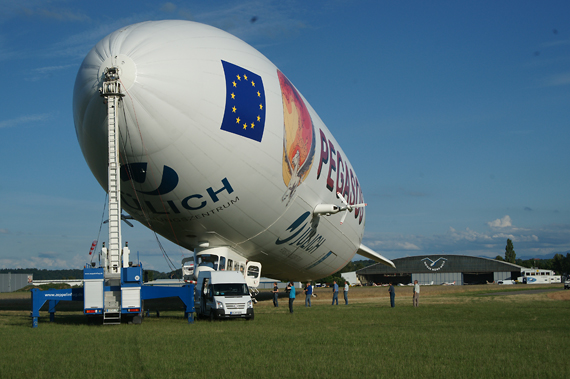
(111, 91)
(117, 288)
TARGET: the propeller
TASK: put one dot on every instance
(347, 207)
(329, 209)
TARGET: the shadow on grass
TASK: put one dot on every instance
(64, 318)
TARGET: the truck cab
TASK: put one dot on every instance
(222, 294)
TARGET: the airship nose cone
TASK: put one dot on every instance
(127, 69)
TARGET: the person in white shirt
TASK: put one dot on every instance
(345, 293)
(416, 293)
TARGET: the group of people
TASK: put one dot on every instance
(415, 295)
(308, 294)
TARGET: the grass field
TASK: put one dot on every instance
(457, 332)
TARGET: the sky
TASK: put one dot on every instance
(455, 115)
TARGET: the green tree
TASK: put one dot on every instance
(499, 258)
(510, 255)
(561, 264)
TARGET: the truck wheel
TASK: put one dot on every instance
(211, 316)
(249, 318)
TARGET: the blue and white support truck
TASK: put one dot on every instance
(113, 298)
(115, 289)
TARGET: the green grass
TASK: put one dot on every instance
(475, 337)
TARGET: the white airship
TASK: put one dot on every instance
(219, 150)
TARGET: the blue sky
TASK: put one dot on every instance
(455, 116)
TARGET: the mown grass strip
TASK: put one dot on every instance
(457, 338)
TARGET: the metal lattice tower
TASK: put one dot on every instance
(111, 91)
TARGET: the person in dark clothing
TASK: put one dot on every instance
(308, 294)
(335, 293)
(275, 295)
(392, 295)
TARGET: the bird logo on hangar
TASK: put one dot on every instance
(433, 266)
(298, 138)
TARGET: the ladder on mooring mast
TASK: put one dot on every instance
(111, 91)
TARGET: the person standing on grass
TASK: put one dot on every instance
(291, 296)
(335, 293)
(345, 292)
(392, 295)
(416, 293)
(308, 294)
(275, 295)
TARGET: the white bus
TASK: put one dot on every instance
(537, 276)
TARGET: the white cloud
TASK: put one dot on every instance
(61, 15)
(394, 244)
(47, 72)
(49, 69)
(407, 246)
(467, 234)
(516, 238)
(168, 7)
(552, 238)
(558, 80)
(504, 222)
(24, 120)
(49, 260)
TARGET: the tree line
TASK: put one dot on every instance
(44, 274)
(560, 264)
(150, 275)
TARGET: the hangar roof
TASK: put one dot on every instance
(440, 264)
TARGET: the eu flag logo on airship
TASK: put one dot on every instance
(244, 114)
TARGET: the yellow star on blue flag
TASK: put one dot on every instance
(244, 113)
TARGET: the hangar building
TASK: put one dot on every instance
(12, 282)
(440, 269)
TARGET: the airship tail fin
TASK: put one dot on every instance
(371, 254)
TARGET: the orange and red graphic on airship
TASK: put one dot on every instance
(298, 138)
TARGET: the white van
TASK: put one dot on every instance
(222, 294)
